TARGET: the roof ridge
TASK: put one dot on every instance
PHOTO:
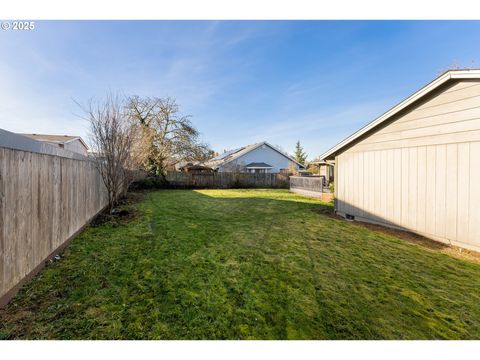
(246, 149)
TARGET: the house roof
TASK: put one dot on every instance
(192, 167)
(59, 139)
(317, 161)
(427, 89)
(14, 141)
(258, 165)
(231, 155)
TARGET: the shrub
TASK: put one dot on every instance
(148, 183)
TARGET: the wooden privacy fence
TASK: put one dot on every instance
(226, 180)
(307, 185)
(47, 195)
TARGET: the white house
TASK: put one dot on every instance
(417, 167)
(256, 158)
(67, 142)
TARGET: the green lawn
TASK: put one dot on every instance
(245, 264)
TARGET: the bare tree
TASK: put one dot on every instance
(169, 137)
(116, 143)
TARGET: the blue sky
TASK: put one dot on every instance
(242, 81)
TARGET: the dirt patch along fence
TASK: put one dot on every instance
(226, 180)
(47, 195)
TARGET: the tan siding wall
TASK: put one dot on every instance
(421, 171)
(322, 170)
(76, 146)
(44, 200)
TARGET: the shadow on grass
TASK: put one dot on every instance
(245, 264)
(327, 209)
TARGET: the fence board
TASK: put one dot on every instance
(307, 185)
(226, 180)
(45, 198)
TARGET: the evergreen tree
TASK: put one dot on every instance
(300, 155)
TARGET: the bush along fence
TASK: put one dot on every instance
(226, 180)
(47, 195)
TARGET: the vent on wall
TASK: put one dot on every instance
(349, 217)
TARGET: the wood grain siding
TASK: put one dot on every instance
(44, 200)
(420, 171)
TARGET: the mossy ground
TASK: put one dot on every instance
(245, 264)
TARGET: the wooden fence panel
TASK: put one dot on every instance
(46, 197)
(307, 185)
(226, 180)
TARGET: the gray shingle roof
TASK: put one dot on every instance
(57, 139)
(52, 138)
(234, 154)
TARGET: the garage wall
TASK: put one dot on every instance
(422, 171)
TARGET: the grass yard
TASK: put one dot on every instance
(246, 264)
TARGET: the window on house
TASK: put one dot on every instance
(261, 171)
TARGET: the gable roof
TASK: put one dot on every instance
(59, 139)
(232, 155)
(427, 89)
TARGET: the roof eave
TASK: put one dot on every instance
(453, 74)
(252, 147)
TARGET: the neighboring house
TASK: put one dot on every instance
(194, 168)
(256, 158)
(71, 143)
(326, 168)
(417, 167)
